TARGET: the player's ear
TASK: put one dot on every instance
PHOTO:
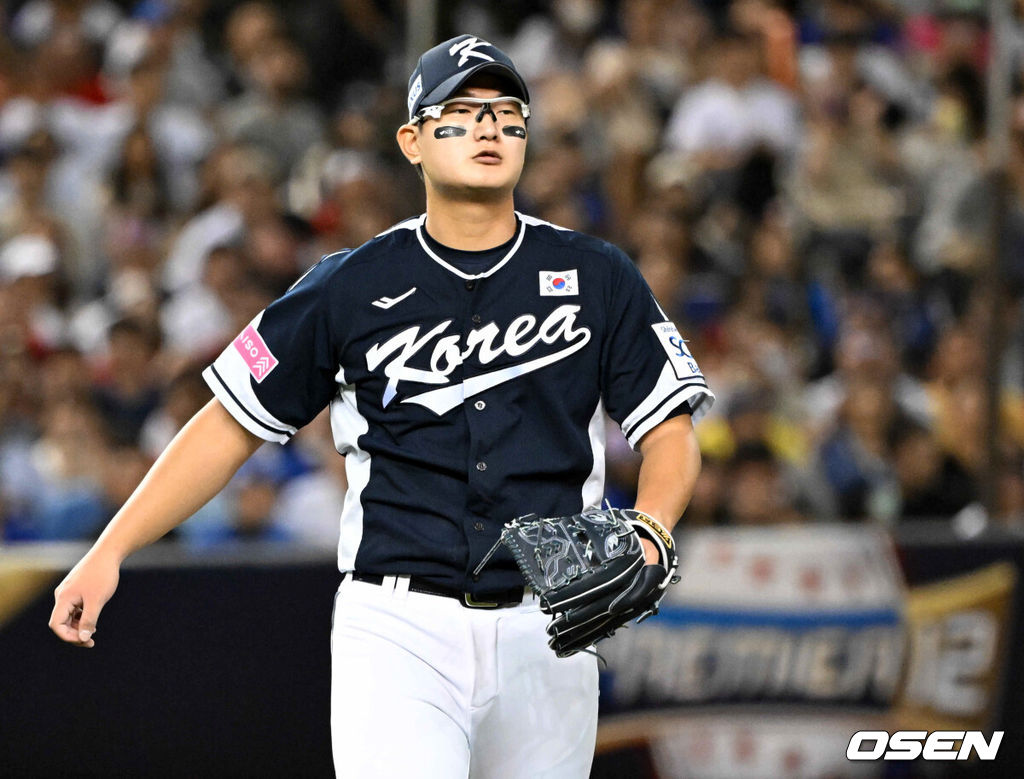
(408, 138)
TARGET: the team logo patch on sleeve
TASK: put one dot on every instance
(256, 353)
(559, 282)
(675, 347)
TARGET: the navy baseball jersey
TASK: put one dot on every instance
(462, 395)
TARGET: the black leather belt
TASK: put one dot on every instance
(502, 599)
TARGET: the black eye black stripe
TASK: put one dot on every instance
(449, 131)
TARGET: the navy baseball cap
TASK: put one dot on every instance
(442, 70)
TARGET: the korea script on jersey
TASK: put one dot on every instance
(521, 336)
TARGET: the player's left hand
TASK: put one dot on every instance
(594, 571)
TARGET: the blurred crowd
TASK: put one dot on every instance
(805, 185)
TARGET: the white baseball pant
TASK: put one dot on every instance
(424, 687)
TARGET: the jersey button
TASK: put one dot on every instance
(479, 527)
(479, 405)
(481, 466)
(476, 319)
(470, 285)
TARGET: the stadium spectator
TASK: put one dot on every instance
(757, 492)
(855, 455)
(184, 396)
(29, 266)
(129, 388)
(865, 349)
(237, 190)
(248, 28)
(272, 114)
(25, 191)
(62, 488)
(139, 205)
(734, 110)
(196, 320)
(932, 483)
(39, 20)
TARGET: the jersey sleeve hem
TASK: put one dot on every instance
(654, 411)
(242, 415)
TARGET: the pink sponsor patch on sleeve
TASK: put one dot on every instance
(256, 353)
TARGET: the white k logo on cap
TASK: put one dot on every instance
(468, 49)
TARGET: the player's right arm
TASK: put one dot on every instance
(196, 465)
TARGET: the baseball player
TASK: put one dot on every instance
(469, 356)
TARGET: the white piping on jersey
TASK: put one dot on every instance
(663, 314)
(415, 223)
(593, 487)
(279, 433)
(535, 222)
(314, 267)
(650, 411)
(494, 269)
(347, 424)
(228, 377)
(405, 224)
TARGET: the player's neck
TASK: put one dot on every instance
(470, 226)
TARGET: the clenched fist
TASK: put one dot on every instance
(81, 596)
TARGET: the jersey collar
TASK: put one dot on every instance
(461, 274)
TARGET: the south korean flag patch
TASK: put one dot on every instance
(559, 282)
(679, 356)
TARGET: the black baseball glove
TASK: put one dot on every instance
(590, 572)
